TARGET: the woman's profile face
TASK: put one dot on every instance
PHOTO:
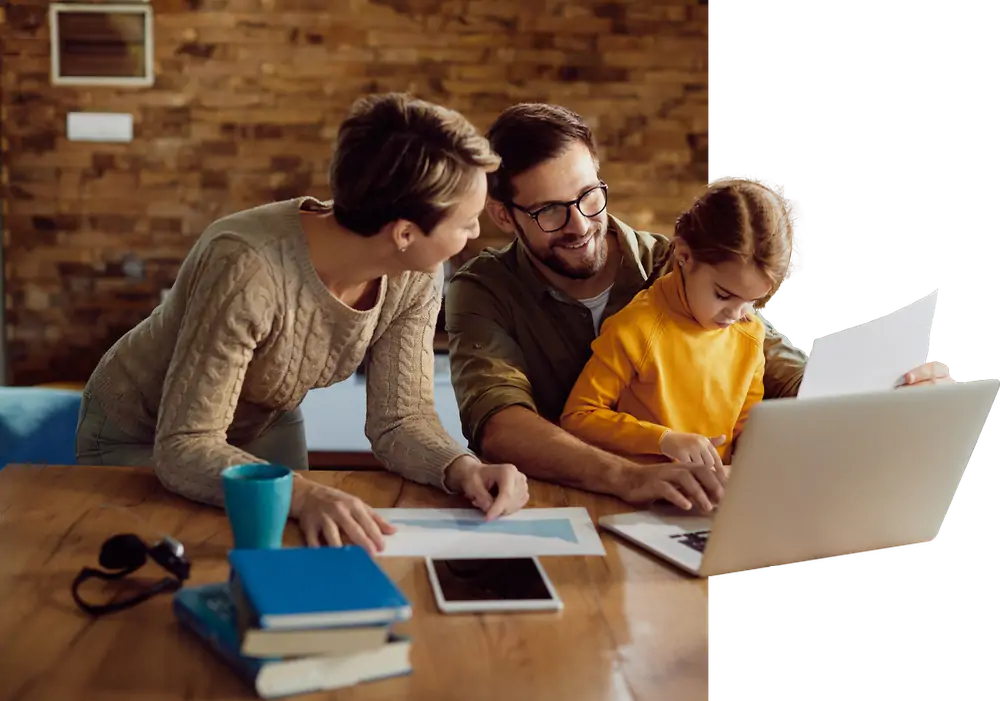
(451, 234)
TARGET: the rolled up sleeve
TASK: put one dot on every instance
(784, 364)
(487, 367)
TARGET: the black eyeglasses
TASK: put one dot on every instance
(555, 216)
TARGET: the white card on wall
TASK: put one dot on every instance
(99, 126)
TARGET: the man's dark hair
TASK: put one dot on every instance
(528, 134)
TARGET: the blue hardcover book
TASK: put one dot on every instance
(209, 611)
(298, 588)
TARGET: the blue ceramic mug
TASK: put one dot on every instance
(258, 497)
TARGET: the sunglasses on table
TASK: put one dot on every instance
(125, 553)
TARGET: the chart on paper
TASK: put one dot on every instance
(465, 533)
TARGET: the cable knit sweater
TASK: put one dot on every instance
(246, 331)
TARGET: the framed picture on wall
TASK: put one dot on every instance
(101, 44)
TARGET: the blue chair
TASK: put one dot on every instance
(38, 425)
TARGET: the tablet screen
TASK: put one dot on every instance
(508, 579)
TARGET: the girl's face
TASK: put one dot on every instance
(720, 295)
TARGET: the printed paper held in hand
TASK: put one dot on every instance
(873, 356)
(465, 533)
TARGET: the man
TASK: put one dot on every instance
(521, 320)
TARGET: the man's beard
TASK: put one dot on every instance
(581, 270)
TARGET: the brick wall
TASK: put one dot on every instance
(247, 99)
(3, 215)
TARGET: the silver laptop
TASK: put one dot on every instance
(827, 476)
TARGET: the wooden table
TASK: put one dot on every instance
(632, 627)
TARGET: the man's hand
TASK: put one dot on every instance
(933, 373)
(322, 512)
(681, 484)
(475, 480)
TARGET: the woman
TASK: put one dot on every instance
(292, 295)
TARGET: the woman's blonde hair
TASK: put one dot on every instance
(399, 157)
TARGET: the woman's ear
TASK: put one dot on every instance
(402, 233)
(501, 216)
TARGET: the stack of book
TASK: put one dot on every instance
(295, 620)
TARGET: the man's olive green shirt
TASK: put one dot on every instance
(514, 340)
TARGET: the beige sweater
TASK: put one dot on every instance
(246, 331)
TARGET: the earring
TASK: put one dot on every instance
(402, 249)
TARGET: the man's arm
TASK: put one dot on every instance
(784, 364)
(544, 451)
(498, 412)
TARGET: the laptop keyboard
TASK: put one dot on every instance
(694, 539)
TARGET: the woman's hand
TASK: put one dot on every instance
(323, 512)
(475, 480)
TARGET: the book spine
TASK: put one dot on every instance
(246, 669)
(246, 619)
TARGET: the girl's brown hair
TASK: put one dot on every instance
(743, 221)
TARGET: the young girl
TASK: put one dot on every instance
(676, 372)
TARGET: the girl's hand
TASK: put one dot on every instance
(693, 449)
(324, 513)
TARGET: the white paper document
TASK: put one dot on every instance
(465, 533)
(871, 357)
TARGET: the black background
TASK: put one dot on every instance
(880, 122)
